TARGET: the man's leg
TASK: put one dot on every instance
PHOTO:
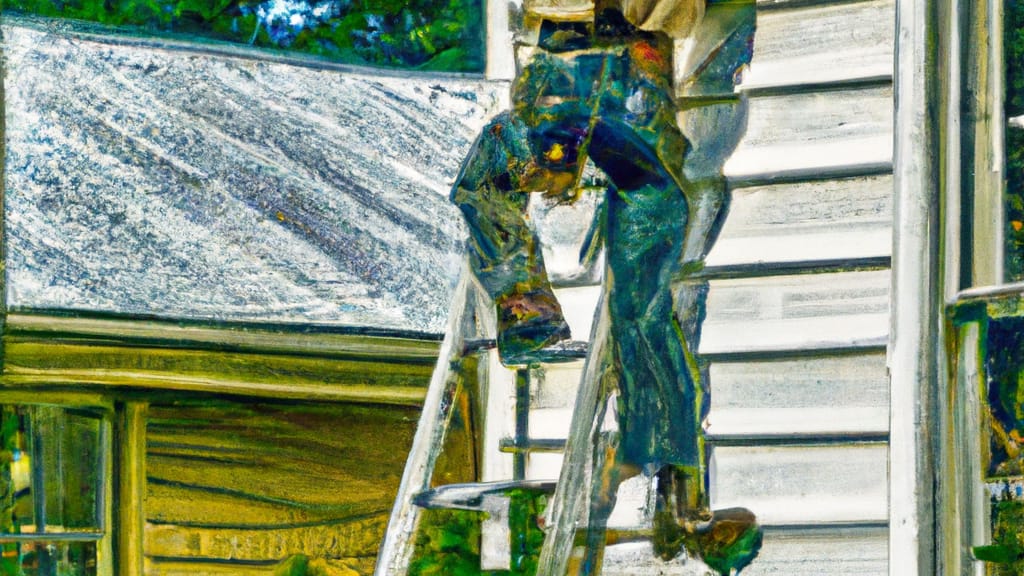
(660, 406)
(504, 252)
(647, 217)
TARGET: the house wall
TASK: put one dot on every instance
(254, 446)
(798, 307)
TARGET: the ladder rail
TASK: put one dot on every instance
(575, 479)
(396, 548)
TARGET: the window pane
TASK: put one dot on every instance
(53, 474)
(987, 416)
(56, 559)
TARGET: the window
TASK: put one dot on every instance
(982, 407)
(53, 490)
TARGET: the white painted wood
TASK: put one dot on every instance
(849, 218)
(966, 504)
(822, 43)
(814, 134)
(638, 559)
(816, 395)
(986, 65)
(952, 107)
(801, 312)
(633, 505)
(501, 64)
(802, 484)
(555, 385)
(499, 423)
(839, 551)
(814, 246)
(578, 306)
(544, 465)
(495, 536)
(812, 395)
(550, 422)
(853, 331)
(568, 502)
(818, 117)
(914, 350)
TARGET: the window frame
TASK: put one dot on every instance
(972, 194)
(104, 410)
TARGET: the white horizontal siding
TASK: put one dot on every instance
(802, 484)
(806, 397)
(554, 386)
(798, 312)
(824, 395)
(551, 422)
(821, 44)
(783, 485)
(793, 312)
(839, 551)
(845, 219)
(815, 134)
(799, 438)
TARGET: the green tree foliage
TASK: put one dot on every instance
(423, 34)
(1014, 204)
(1013, 45)
(448, 541)
(1006, 553)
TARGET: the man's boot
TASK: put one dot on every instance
(726, 540)
(530, 325)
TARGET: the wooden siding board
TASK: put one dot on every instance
(803, 484)
(804, 222)
(309, 339)
(798, 312)
(822, 43)
(170, 566)
(259, 481)
(836, 551)
(813, 395)
(340, 540)
(808, 396)
(815, 134)
(806, 484)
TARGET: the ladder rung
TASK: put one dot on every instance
(470, 496)
(479, 345)
(509, 445)
(565, 351)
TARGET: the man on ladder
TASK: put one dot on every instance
(602, 90)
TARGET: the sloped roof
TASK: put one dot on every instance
(176, 183)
